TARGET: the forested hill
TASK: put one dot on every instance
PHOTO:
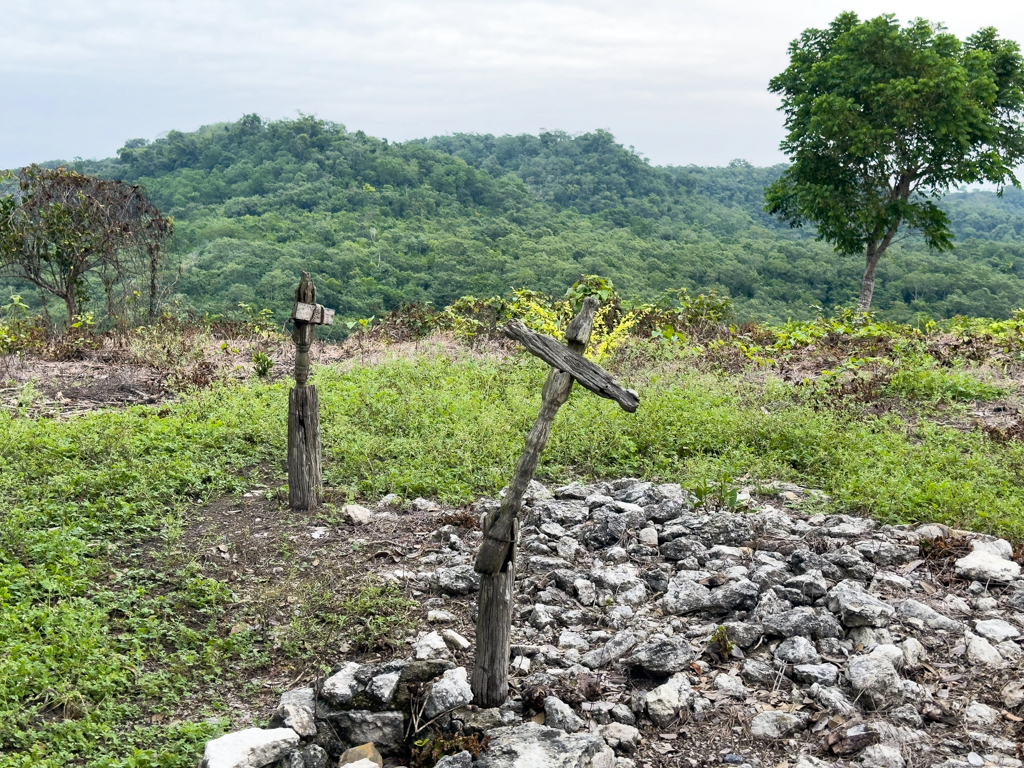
(381, 223)
(594, 174)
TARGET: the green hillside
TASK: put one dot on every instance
(380, 223)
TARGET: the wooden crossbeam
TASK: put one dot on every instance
(562, 358)
(315, 314)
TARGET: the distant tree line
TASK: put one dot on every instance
(379, 224)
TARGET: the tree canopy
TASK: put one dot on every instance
(379, 224)
(59, 226)
(883, 119)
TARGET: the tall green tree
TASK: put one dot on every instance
(882, 120)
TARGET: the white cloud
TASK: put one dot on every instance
(681, 81)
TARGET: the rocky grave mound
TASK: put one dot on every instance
(651, 631)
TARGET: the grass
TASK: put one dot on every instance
(453, 429)
(94, 646)
(82, 647)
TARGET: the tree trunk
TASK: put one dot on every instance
(867, 286)
(304, 472)
(874, 255)
(153, 265)
(108, 289)
(69, 302)
(46, 309)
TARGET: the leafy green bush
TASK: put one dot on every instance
(262, 364)
(20, 330)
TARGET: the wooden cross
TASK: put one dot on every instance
(306, 316)
(496, 560)
(304, 462)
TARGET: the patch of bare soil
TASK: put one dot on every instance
(116, 372)
(290, 574)
(77, 385)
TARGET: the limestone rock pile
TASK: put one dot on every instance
(649, 629)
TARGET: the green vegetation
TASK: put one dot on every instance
(113, 623)
(61, 228)
(402, 421)
(106, 624)
(377, 612)
(382, 224)
(86, 648)
(884, 120)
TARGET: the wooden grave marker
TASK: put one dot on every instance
(304, 460)
(496, 559)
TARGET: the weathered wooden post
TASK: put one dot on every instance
(304, 473)
(496, 560)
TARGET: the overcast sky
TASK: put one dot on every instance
(683, 82)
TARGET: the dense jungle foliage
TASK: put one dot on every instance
(381, 224)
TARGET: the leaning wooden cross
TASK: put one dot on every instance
(304, 474)
(496, 560)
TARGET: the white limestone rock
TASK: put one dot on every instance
(431, 646)
(342, 686)
(558, 714)
(731, 685)
(797, 650)
(355, 514)
(996, 630)
(450, 692)
(981, 714)
(619, 645)
(875, 680)
(980, 651)
(769, 726)
(666, 701)
(536, 745)
(990, 560)
(921, 616)
(913, 653)
(858, 608)
(251, 748)
(684, 596)
(454, 640)
(882, 756)
(1012, 694)
(624, 739)
(382, 687)
(296, 711)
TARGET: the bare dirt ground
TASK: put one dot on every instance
(289, 575)
(116, 373)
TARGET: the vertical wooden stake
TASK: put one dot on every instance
(304, 468)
